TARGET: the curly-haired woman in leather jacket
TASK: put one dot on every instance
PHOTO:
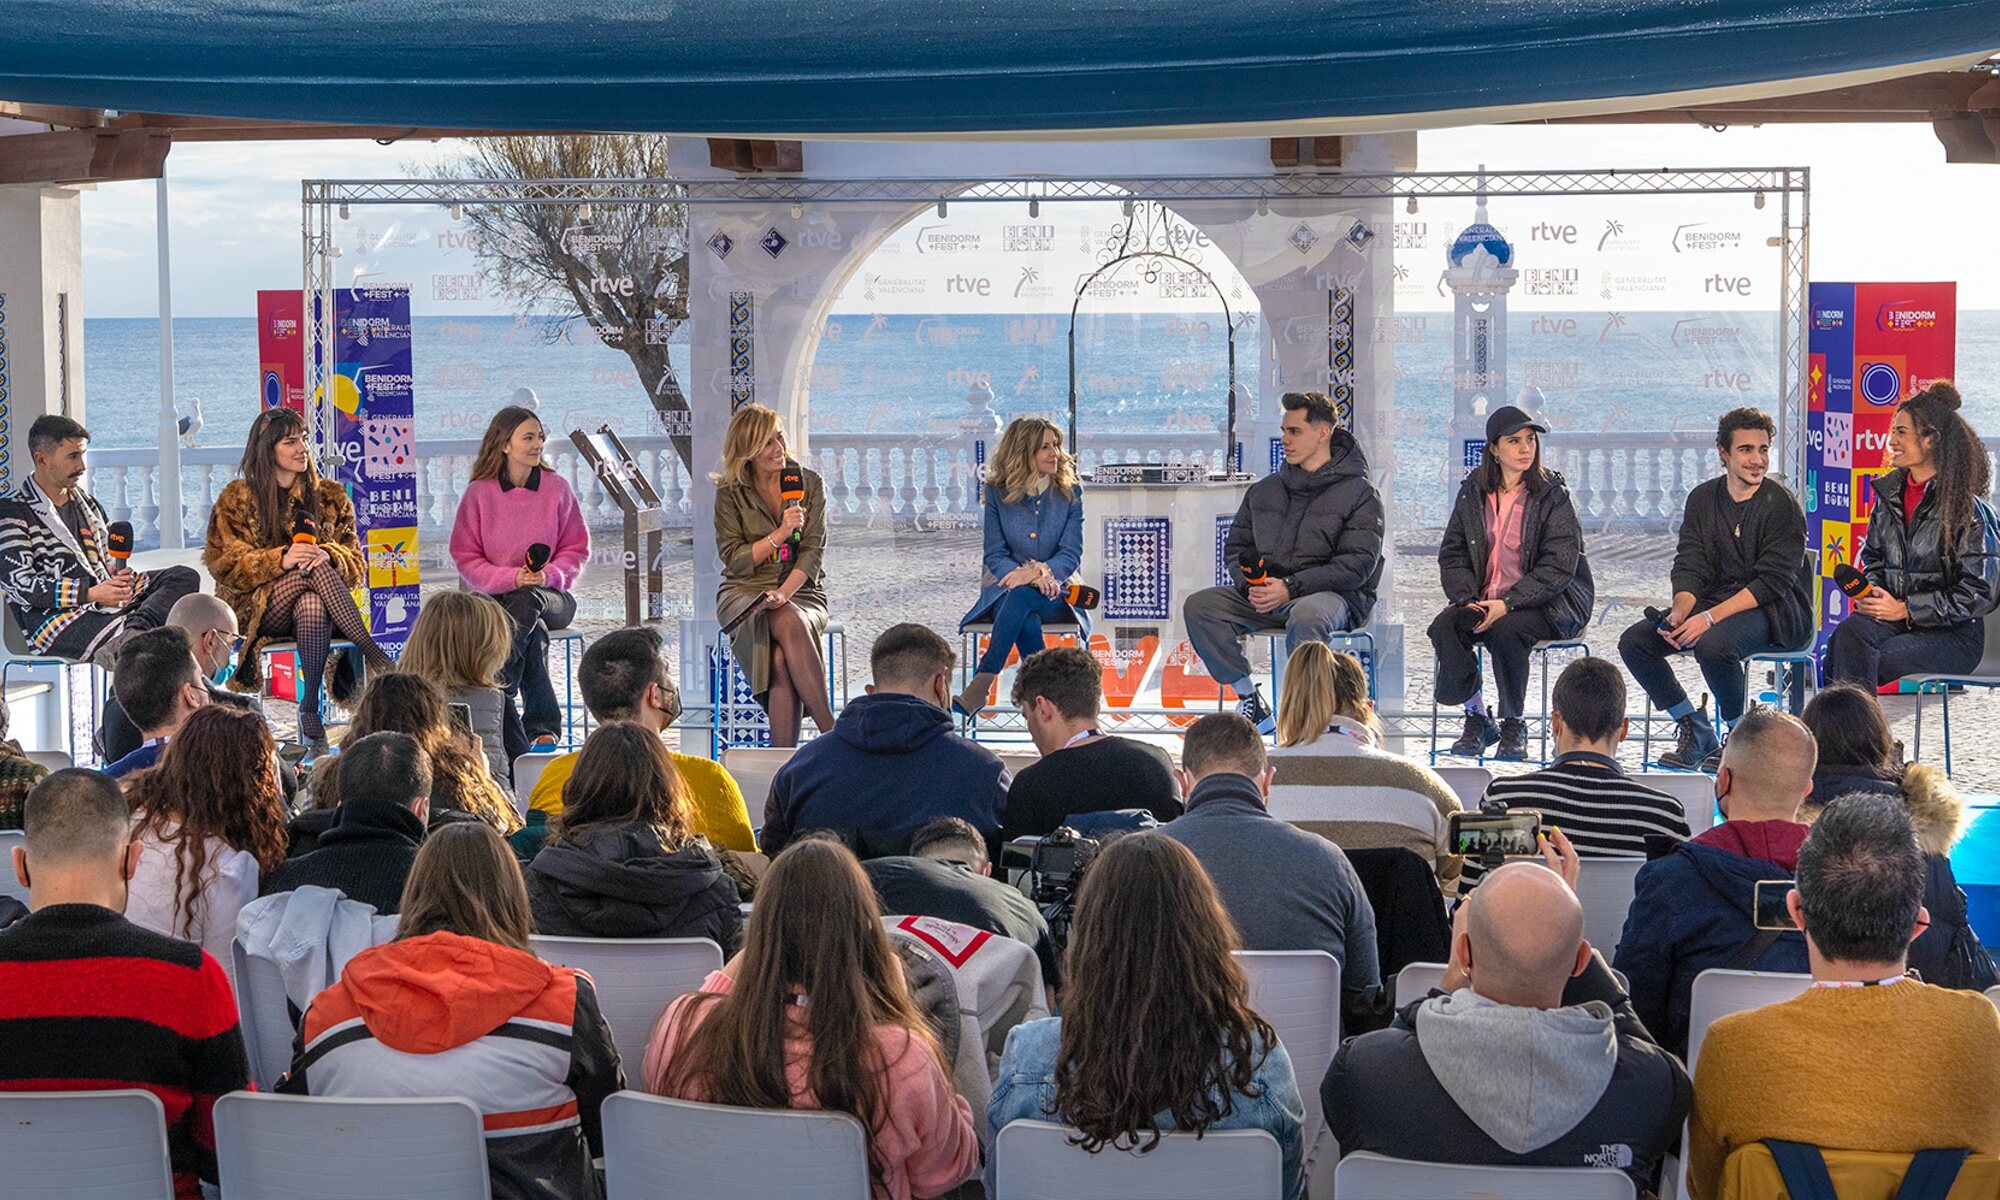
(1933, 569)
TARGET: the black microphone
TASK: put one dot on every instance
(118, 543)
(1256, 570)
(1658, 616)
(305, 528)
(1082, 596)
(538, 556)
(792, 487)
(1851, 581)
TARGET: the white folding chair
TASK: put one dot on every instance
(313, 1147)
(636, 978)
(1365, 1175)
(53, 760)
(1604, 888)
(528, 770)
(1695, 791)
(10, 884)
(1034, 1160)
(661, 1149)
(1717, 993)
(1298, 992)
(266, 1017)
(753, 768)
(1993, 994)
(1415, 981)
(1467, 783)
(61, 1145)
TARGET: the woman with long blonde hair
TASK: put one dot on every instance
(460, 641)
(401, 702)
(1335, 779)
(772, 550)
(520, 537)
(1033, 544)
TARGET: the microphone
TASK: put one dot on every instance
(1851, 581)
(1082, 596)
(118, 544)
(1657, 615)
(1256, 570)
(792, 488)
(538, 556)
(305, 529)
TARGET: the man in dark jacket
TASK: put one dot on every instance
(947, 875)
(385, 787)
(1529, 1056)
(1739, 583)
(1316, 527)
(613, 879)
(892, 763)
(1696, 908)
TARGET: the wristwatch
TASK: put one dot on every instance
(1291, 583)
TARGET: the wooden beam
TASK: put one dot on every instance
(1326, 152)
(1285, 152)
(1914, 98)
(83, 156)
(53, 114)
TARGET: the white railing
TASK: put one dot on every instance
(1635, 481)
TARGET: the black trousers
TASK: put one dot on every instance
(1720, 654)
(534, 611)
(1508, 640)
(1871, 653)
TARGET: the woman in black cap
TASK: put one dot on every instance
(1514, 574)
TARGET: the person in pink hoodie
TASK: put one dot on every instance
(519, 536)
(817, 964)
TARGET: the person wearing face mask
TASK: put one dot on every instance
(1514, 574)
(135, 1009)
(772, 552)
(892, 763)
(1930, 558)
(211, 631)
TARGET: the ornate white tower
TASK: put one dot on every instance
(1479, 270)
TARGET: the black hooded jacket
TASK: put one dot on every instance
(1555, 575)
(1324, 528)
(618, 881)
(1906, 559)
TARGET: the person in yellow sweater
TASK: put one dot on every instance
(624, 678)
(1867, 1058)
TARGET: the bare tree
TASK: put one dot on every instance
(621, 268)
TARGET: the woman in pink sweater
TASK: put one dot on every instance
(519, 537)
(813, 1013)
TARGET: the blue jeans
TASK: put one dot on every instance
(1017, 621)
(534, 611)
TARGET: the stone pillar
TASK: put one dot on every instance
(41, 315)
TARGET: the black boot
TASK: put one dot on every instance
(1697, 743)
(1480, 732)
(1513, 741)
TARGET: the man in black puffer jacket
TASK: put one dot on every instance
(1317, 527)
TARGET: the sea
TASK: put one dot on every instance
(1134, 372)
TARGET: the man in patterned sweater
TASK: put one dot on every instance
(90, 1001)
(61, 585)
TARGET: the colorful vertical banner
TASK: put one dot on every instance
(374, 447)
(281, 358)
(1869, 347)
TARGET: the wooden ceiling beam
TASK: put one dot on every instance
(84, 156)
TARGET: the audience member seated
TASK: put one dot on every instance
(460, 641)
(210, 626)
(458, 1005)
(158, 685)
(1156, 1034)
(1082, 769)
(1848, 722)
(1696, 908)
(1284, 888)
(461, 786)
(624, 860)
(210, 821)
(624, 678)
(892, 763)
(1867, 1058)
(385, 789)
(1528, 1055)
(18, 775)
(947, 875)
(90, 1001)
(1584, 792)
(859, 1046)
(1334, 778)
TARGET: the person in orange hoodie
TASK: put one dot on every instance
(458, 1005)
(817, 963)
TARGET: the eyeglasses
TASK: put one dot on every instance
(235, 639)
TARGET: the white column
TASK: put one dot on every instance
(41, 315)
(172, 537)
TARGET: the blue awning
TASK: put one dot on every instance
(812, 68)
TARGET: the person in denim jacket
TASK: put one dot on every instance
(1150, 969)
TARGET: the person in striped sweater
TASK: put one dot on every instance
(1584, 792)
(89, 1001)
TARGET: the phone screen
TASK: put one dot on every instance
(1772, 913)
(461, 716)
(1511, 834)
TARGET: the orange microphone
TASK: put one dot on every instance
(1851, 581)
(1081, 596)
(1256, 570)
(118, 544)
(305, 529)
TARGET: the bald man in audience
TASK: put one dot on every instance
(1696, 908)
(1528, 1055)
(210, 626)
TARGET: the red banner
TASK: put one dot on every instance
(281, 350)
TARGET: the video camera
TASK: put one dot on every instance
(1055, 869)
